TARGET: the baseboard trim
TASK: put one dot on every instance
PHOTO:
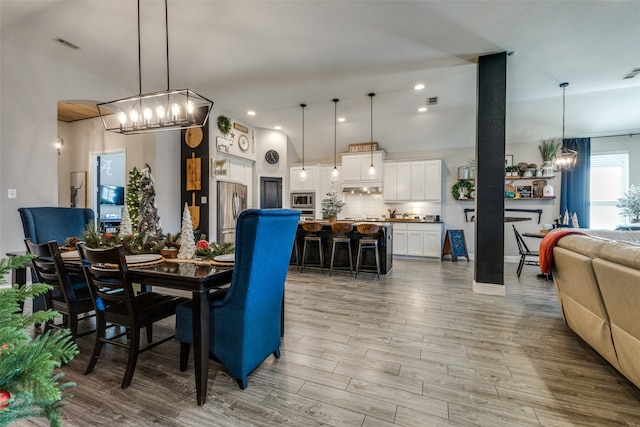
(489, 289)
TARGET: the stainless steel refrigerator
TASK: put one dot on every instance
(232, 199)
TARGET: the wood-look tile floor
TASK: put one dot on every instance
(415, 348)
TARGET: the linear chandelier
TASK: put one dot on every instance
(157, 111)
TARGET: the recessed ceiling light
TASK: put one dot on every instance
(341, 119)
(278, 128)
(422, 109)
(251, 113)
(419, 86)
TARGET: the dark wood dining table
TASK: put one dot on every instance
(198, 278)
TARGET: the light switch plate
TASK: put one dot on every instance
(12, 193)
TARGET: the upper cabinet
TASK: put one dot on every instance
(355, 167)
(413, 181)
(306, 184)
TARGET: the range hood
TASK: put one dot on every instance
(362, 189)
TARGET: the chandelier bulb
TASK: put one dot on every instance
(134, 115)
(147, 113)
(335, 173)
(122, 116)
(190, 107)
(303, 174)
(175, 111)
(372, 170)
(160, 111)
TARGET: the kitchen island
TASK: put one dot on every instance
(385, 248)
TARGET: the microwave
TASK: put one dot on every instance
(302, 200)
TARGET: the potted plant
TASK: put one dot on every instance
(629, 203)
(332, 205)
(511, 171)
(548, 149)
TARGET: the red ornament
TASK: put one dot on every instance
(5, 397)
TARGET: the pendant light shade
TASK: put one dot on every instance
(372, 169)
(303, 173)
(565, 159)
(157, 111)
(335, 173)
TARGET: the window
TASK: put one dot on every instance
(609, 180)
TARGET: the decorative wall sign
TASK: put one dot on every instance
(219, 168)
(363, 147)
(243, 142)
(240, 128)
(223, 144)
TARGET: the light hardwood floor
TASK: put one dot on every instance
(415, 348)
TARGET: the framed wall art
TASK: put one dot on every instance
(78, 189)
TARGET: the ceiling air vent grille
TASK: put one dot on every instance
(631, 74)
(432, 100)
(63, 42)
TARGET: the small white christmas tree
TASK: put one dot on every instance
(125, 223)
(187, 241)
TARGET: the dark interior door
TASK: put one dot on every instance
(270, 193)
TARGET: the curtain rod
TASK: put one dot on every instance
(615, 136)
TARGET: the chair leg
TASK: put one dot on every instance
(333, 253)
(276, 353)
(282, 317)
(72, 323)
(149, 333)
(304, 256)
(185, 347)
(358, 260)
(134, 348)
(97, 347)
(321, 252)
(521, 264)
(377, 262)
(350, 258)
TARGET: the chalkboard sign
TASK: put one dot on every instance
(454, 245)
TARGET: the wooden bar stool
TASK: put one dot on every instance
(312, 228)
(369, 240)
(342, 228)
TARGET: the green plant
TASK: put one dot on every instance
(224, 125)
(548, 148)
(511, 169)
(629, 203)
(28, 385)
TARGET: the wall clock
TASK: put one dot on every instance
(243, 142)
(193, 136)
(272, 157)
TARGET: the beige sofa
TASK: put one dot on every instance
(597, 278)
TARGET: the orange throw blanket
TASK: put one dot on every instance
(546, 248)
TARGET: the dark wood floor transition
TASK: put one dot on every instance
(416, 348)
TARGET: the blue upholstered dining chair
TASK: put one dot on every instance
(245, 323)
(46, 223)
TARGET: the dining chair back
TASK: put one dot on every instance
(369, 240)
(70, 295)
(527, 256)
(116, 303)
(246, 324)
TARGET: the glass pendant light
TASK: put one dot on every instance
(565, 159)
(372, 169)
(335, 173)
(303, 173)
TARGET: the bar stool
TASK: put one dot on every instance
(369, 240)
(311, 228)
(342, 228)
(296, 251)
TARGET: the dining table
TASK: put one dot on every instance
(198, 277)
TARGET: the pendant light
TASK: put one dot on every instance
(565, 159)
(158, 111)
(303, 173)
(372, 169)
(335, 173)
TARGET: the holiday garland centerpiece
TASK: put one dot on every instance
(28, 385)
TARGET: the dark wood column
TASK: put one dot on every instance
(490, 155)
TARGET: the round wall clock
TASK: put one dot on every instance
(243, 142)
(193, 136)
(272, 157)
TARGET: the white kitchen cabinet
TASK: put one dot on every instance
(308, 184)
(412, 181)
(399, 239)
(417, 239)
(355, 167)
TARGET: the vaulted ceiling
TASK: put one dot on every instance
(270, 56)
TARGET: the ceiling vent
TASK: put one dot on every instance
(432, 100)
(631, 74)
(65, 43)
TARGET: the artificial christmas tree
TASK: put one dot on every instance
(28, 386)
(125, 224)
(132, 198)
(149, 224)
(187, 240)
